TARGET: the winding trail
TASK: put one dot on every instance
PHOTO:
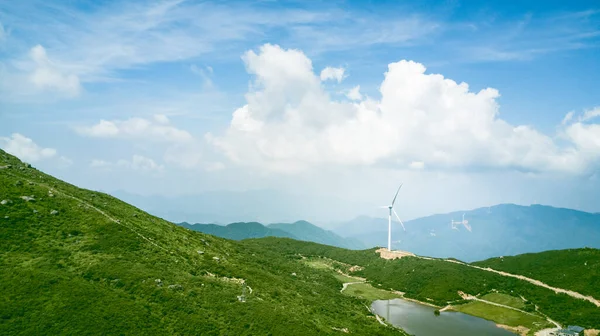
(534, 282)
(474, 298)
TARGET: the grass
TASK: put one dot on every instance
(75, 262)
(368, 292)
(504, 299)
(345, 278)
(319, 264)
(502, 315)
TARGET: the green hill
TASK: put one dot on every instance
(437, 281)
(573, 269)
(79, 262)
(300, 230)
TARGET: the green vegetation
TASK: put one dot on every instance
(369, 293)
(78, 262)
(503, 315)
(345, 278)
(438, 281)
(504, 299)
(573, 269)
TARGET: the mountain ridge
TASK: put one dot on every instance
(299, 230)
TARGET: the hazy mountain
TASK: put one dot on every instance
(300, 230)
(264, 206)
(238, 231)
(501, 230)
(304, 230)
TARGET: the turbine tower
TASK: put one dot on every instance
(464, 222)
(391, 210)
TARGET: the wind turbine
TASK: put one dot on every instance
(391, 209)
(464, 222)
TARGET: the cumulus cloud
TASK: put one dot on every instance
(290, 123)
(157, 129)
(25, 148)
(47, 76)
(330, 73)
(354, 93)
(137, 163)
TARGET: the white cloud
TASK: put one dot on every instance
(141, 163)
(417, 165)
(137, 163)
(354, 93)
(290, 123)
(100, 164)
(568, 117)
(48, 76)
(590, 114)
(186, 156)
(332, 73)
(161, 118)
(158, 129)
(25, 148)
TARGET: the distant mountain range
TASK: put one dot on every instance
(501, 230)
(223, 207)
(300, 230)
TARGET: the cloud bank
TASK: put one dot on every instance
(422, 121)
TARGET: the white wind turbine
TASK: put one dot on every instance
(391, 209)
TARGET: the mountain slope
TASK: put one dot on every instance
(439, 282)
(238, 231)
(74, 261)
(306, 231)
(300, 230)
(501, 230)
(574, 269)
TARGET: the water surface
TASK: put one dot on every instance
(419, 320)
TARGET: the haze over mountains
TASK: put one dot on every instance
(300, 230)
(501, 230)
(505, 229)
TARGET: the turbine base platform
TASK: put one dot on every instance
(387, 254)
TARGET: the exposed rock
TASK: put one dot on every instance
(216, 258)
(158, 282)
(6, 217)
(4, 202)
(176, 287)
(27, 198)
(200, 252)
(35, 211)
(294, 274)
(19, 183)
(53, 212)
(30, 183)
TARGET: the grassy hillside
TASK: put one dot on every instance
(574, 269)
(438, 281)
(79, 262)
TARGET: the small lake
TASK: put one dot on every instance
(419, 320)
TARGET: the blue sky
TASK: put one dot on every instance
(140, 96)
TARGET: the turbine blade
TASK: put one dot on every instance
(399, 220)
(394, 201)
